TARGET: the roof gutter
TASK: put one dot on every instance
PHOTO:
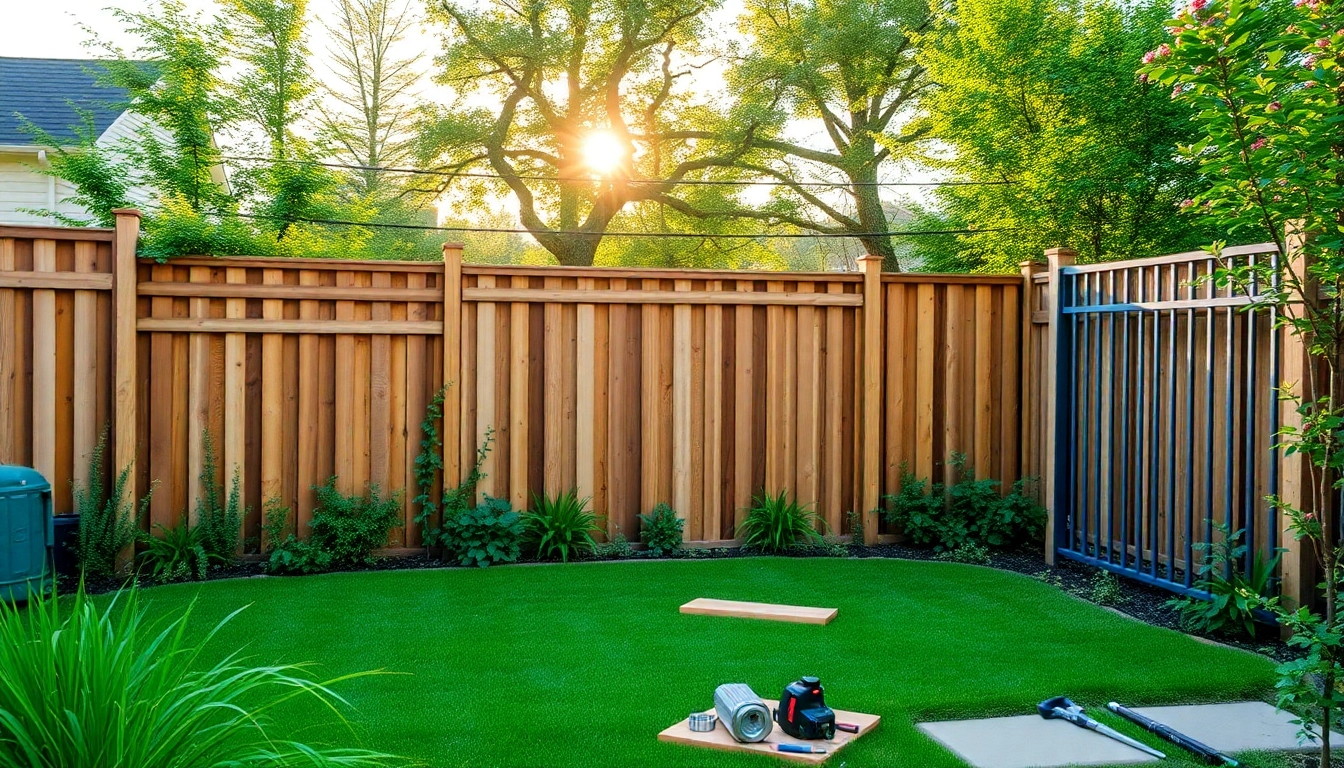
(22, 149)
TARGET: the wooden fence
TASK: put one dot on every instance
(694, 388)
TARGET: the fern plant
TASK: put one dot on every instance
(178, 553)
(219, 520)
(560, 526)
(776, 523)
(108, 522)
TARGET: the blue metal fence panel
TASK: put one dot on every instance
(1168, 415)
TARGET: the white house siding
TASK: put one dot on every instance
(22, 187)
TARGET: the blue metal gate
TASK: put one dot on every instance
(1167, 412)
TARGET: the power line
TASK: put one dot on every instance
(685, 182)
(509, 231)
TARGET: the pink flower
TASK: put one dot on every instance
(1274, 106)
(1187, 202)
(1143, 77)
(1259, 143)
(1149, 56)
(1309, 62)
(1323, 43)
(1164, 50)
(1299, 3)
(1310, 516)
(1198, 5)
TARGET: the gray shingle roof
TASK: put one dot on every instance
(47, 91)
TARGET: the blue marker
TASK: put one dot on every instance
(800, 748)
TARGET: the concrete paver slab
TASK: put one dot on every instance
(1030, 741)
(1235, 726)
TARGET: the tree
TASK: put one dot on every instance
(1264, 80)
(589, 119)
(1040, 98)
(274, 90)
(368, 123)
(849, 65)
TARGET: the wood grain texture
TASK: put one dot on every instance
(10, 361)
(794, 614)
(44, 365)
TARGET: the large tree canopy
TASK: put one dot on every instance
(565, 81)
(1042, 95)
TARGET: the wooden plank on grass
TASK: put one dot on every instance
(795, 614)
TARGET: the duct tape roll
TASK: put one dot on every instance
(743, 713)
(701, 722)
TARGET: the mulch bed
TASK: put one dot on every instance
(1140, 601)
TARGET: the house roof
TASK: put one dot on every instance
(48, 92)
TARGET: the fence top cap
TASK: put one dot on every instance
(870, 257)
(127, 212)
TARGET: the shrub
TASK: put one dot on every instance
(1232, 598)
(1106, 589)
(661, 530)
(178, 554)
(220, 520)
(967, 512)
(349, 528)
(970, 553)
(87, 687)
(429, 462)
(776, 523)
(289, 553)
(616, 549)
(107, 522)
(561, 525)
(490, 533)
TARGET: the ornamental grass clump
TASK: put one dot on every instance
(776, 523)
(561, 526)
(89, 686)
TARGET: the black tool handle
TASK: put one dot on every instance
(1210, 755)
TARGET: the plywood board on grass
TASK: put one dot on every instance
(797, 614)
(720, 739)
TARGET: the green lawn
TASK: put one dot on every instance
(583, 664)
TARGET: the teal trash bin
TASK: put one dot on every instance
(26, 533)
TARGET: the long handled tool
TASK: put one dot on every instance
(1062, 709)
(1210, 755)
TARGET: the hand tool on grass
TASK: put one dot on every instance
(1210, 755)
(1060, 708)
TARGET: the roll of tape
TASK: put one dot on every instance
(701, 722)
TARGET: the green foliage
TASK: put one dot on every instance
(107, 521)
(288, 553)
(855, 521)
(1106, 589)
(428, 465)
(776, 523)
(179, 553)
(560, 526)
(486, 534)
(967, 512)
(88, 686)
(349, 528)
(969, 552)
(1233, 593)
(219, 520)
(1043, 94)
(661, 530)
(616, 549)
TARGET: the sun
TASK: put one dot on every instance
(603, 153)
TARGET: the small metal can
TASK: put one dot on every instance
(701, 722)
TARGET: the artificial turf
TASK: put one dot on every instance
(583, 664)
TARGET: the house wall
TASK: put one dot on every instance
(23, 187)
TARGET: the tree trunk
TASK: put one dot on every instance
(872, 218)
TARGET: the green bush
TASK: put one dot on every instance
(776, 523)
(489, 533)
(89, 687)
(561, 525)
(288, 553)
(972, 554)
(219, 520)
(428, 465)
(349, 528)
(1232, 598)
(616, 549)
(661, 530)
(178, 554)
(967, 512)
(107, 522)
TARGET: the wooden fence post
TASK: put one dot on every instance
(1031, 409)
(125, 376)
(452, 364)
(1298, 564)
(871, 453)
(1055, 258)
